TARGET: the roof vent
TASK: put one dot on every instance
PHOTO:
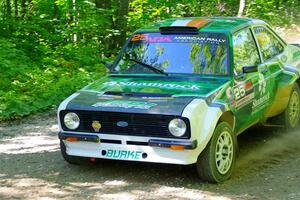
(178, 30)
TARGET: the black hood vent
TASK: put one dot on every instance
(136, 94)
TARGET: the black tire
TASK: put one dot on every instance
(292, 112)
(208, 168)
(75, 160)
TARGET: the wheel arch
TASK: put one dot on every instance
(204, 119)
(298, 81)
(228, 117)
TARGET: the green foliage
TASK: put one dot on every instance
(276, 12)
(26, 87)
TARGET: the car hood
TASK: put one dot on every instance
(137, 94)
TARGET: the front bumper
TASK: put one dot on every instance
(130, 148)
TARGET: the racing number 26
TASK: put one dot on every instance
(239, 92)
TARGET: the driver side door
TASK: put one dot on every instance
(245, 83)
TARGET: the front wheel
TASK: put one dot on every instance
(215, 163)
(292, 112)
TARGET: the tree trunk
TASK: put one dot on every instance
(169, 7)
(30, 9)
(110, 43)
(55, 13)
(16, 8)
(73, 13)
(103, 4)
(121, 21)
(107, 5)
(241, 8)
(23, 6)
(8, 9)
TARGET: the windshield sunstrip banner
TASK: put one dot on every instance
(211, 38)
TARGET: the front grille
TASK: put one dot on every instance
(138, 124)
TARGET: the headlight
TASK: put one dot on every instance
(71, 120)
(177, 127)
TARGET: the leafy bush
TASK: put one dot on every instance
(27, 86)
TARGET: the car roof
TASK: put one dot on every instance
(205, 24)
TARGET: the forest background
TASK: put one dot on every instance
(51, 48)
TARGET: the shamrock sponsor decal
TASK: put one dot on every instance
(260, 103)
(151, 84)
(261, 84)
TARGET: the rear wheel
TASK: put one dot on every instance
(76, 160)
(292, 112)
(215, 163)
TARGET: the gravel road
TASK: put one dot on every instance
(31, 167)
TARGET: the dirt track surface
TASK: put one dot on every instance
(31, 167)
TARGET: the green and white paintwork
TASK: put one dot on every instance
(241, 101)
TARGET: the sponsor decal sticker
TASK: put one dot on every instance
(96, 126)
(197, 39)
(123, 154)
(263, 96)
(151, 84)
(230, 96)
(126, 104)
(245, 100)
(260, 103)
(261, 84)
(153, 39)
(243, 94)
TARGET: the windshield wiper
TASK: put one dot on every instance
(148, 66)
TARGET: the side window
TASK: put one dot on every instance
(268, 43)
(244, 50)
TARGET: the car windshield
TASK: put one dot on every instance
(204, 53)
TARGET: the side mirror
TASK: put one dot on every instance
(109, 65)
(250, 69)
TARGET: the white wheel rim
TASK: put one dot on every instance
(224, 152)
(294, 108)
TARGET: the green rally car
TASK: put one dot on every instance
(180, 92)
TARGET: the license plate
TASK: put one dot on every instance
(122, 154)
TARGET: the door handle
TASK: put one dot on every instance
(240, 77)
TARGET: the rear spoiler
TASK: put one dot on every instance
(178, 29)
